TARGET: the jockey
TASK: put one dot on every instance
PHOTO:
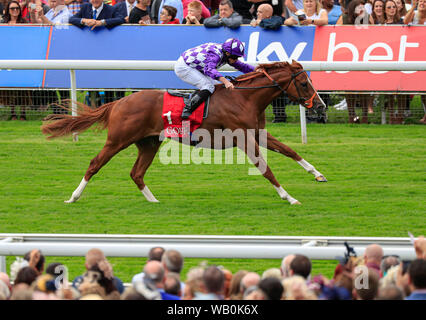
(198, 67)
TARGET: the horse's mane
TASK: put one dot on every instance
(268, 67)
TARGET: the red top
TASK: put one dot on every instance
(176, 21)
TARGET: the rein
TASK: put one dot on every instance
(308, 103)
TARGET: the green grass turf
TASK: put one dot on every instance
(376, 188)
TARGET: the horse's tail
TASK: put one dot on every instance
(60, 125)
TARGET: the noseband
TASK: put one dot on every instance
(307, 103)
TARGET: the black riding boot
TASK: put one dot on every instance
(197, 99)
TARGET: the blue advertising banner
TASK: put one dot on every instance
(153, 43)
(23, 43)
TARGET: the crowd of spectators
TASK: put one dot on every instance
(373, 276)
(267, 14)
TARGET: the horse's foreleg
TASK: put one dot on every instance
(277, 146)
(251, 148)
(96, 164)
(147, 150)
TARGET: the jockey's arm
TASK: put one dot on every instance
(243, 67)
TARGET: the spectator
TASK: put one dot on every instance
(401, 8)
(194, 281)
(74, 6)
(391, 13)
(277, 6)
(272, 273)
(416, 16)
(205, 13)
(420, 243)
(390, 293)
(58, 14)
(95, 257)
(369, 290)
(140, 13)
(311, 14)
(4, 291)
(285, 265)
(254, 293)
(265, 19)
(21, 291)
(168, 15)
(97, 14)
(226, 17)
(378, 14)
(194, 14)
(301, 266)
(5, 279)
(295, 288)
(172, 284)
(35, 260)
(235, 285)
(417, 280)
(154, 254)
(155, 274)
(387, 263)
(29, 8)
(172, 261)
(242, 7)
(177, 4)
(249, 280)
(125, 7)
(334, 11)
(373, 256)
(99, 279)
(13, 13)
(390, 278)
(272, 288)
(155, 9)
(294, 5)
(213, 284)
(26, 275)
(356, 14)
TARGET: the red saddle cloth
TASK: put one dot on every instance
(174, 127)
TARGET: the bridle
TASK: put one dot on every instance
(307, 103)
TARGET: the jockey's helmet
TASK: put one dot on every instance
(234, 46)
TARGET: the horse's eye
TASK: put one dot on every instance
(304, 84)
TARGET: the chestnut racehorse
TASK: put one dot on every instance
(137, 119)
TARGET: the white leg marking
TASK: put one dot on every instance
(148, 195)
(77, 193)
(285, 196)
(310, 168)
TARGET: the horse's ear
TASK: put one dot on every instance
(296, 64)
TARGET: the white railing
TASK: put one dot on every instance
(73, 65)
(235, 247)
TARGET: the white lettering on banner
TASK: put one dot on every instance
(402, 47)
(276, 47)
(368, 56)
(333, 48)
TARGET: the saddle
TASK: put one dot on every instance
(187, 97)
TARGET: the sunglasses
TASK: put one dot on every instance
(234, 57)
(14, 8)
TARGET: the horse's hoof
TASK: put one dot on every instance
(321, 179)
(296, 202)
(69, 201)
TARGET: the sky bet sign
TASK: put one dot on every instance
(345, 43)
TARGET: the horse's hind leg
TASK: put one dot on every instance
(108, 151)
(251, 148)
(277, 146)
(148, 148)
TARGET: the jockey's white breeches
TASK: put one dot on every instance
(194, 77)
